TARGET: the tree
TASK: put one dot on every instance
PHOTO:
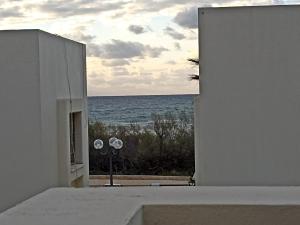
(165, 149)
(165, 128)
(195, 61)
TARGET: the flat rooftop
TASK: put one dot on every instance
(40, 31)
(116, 206)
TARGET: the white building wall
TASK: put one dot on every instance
(249, 106)
(32, 79)
(62, 64)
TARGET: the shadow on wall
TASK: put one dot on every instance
(216, 215)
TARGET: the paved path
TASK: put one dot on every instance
(139, 180)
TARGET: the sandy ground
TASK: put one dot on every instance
(139, 180)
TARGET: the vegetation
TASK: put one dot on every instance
(196, 62)
(167, 149)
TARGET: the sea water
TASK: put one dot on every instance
(123, 110)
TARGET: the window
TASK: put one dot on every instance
(75, 138)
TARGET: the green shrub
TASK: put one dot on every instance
(167, 149)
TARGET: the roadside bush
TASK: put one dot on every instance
(167, 149)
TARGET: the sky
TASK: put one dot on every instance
(134, 47)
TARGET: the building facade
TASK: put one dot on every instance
(247, 114)
(43, 133)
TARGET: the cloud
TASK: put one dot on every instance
(94, 75)
(77, 7)
(119, 49)
(173, 33)
(177, 46)
(11, 12)
(171, 62)
(217, 3)
(136, 29)
(155, 5)
(119, 71)
(131, 81)
(154, 52)
(173, 81)
(118, 15)
(96, 78)
(192, 35)
(209, 3)
(80, 34)
(188, 18)
(85, 37)
(93, 50)
(115, 62)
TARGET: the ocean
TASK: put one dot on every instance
(123, 110)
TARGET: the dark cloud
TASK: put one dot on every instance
(80, 34)
(11, 12)
(119, 49)
(115, 62)
(136, 29)
(77, 7)
(173, 33)
(154, 52)
(187, 18)
(87, 38)
(81, 37)
(93, 50)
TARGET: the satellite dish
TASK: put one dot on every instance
(98, 144)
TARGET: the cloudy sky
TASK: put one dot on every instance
(134, 47)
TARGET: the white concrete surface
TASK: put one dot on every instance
(34, 67)
(248, 120)
(117, 206)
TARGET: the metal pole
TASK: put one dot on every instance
(110, 168)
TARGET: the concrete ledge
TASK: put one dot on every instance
(122, 206)
(220, 214)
